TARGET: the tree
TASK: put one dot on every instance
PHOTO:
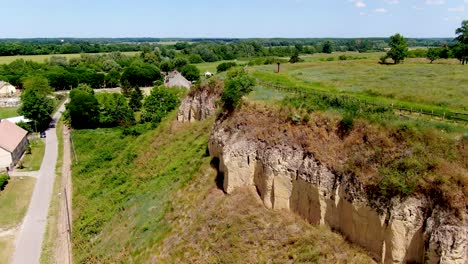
(114, 110)
(327, 47)
(236, 86)
(158, 104)
(191, 72)
(225, 66)
(86, 88)
(166, 66)
(195, 58)
(135, 99)
(461, 48)
(433, 54)
(140, 74)
(37, 107)
(179, 63)
(295, 58)
(38, 83)
(398, 48)
(82, 110)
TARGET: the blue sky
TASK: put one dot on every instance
(241, 18)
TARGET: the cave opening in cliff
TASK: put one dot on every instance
(219, 180)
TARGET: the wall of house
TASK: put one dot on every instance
(18, 152)
(5, 159)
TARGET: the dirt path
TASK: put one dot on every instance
(63, 253)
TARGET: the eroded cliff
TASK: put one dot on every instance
(287, 175)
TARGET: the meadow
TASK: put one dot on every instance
(441, 85)
(42, 58)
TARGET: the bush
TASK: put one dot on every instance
(225, 66)
(343, 57)
(237, 85)
(3, 181)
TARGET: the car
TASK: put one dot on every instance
(42, 134)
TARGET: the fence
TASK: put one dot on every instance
(444, 115)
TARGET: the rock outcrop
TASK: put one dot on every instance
(410, 230)
(197, 106)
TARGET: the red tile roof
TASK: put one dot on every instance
(11, 135)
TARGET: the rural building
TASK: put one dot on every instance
(175, 79)
(7, 89)
(13, 142)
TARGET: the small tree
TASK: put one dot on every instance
(135, 99)
(433, 54)
(327, 47)
(191, 72)
(158, 104)
(398, 48)
(36, 105)
(461, 48)
(82, 110)
(236, 86)
(295, 58)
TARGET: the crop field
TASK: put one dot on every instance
(441, 85)
(42, 58)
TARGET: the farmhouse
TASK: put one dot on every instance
(175, 79)
(6, 89)
(13, 142)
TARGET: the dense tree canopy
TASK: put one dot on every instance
(82, 110)
(36, 105)
(159, 103)
(114, 110)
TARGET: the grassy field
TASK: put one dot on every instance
(32, 161)
(442, 85)
(6, 112)
(42, 58)
(15, 200)
(211, 66)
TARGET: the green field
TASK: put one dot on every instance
(442, 85)
(42, 58)
(211, 66)
(15, 200)
(32, 161)
(6, 112)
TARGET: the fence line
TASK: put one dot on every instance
(444, 115)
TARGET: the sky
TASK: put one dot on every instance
(231, 19)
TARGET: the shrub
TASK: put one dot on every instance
(225, 66)
(343, 57)
(3, 181)
(237, 85)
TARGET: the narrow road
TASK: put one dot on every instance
(29, 241)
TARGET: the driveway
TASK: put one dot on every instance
(29, 242)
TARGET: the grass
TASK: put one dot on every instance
(50, 242)
(442, 85)
(33, 160)
(211, 66)
(42, 58)
(6, 112)
(123, 184)
(7, 246)
(15, 200)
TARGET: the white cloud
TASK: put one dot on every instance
(380, 10)
(457, 9)
(359, 4)
(394, 2)
(435, 2)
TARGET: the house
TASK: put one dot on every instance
(175, 79)
(13, 142)
(6, 89)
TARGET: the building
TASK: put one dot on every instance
(7, 89)
(13, 142)
(175, 79)
(18, 119)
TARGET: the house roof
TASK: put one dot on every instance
(176, 79)
(11, 135)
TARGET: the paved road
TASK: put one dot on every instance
(29, 241)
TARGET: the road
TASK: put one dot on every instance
(29, 242)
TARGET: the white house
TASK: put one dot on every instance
(175, 79)
(13, 142)
(6, 89)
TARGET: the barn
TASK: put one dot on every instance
(13, 142)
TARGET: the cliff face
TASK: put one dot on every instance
(290, 177)
(201, 103)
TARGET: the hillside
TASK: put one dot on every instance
(153, 198)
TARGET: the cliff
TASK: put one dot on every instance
(413, 229)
